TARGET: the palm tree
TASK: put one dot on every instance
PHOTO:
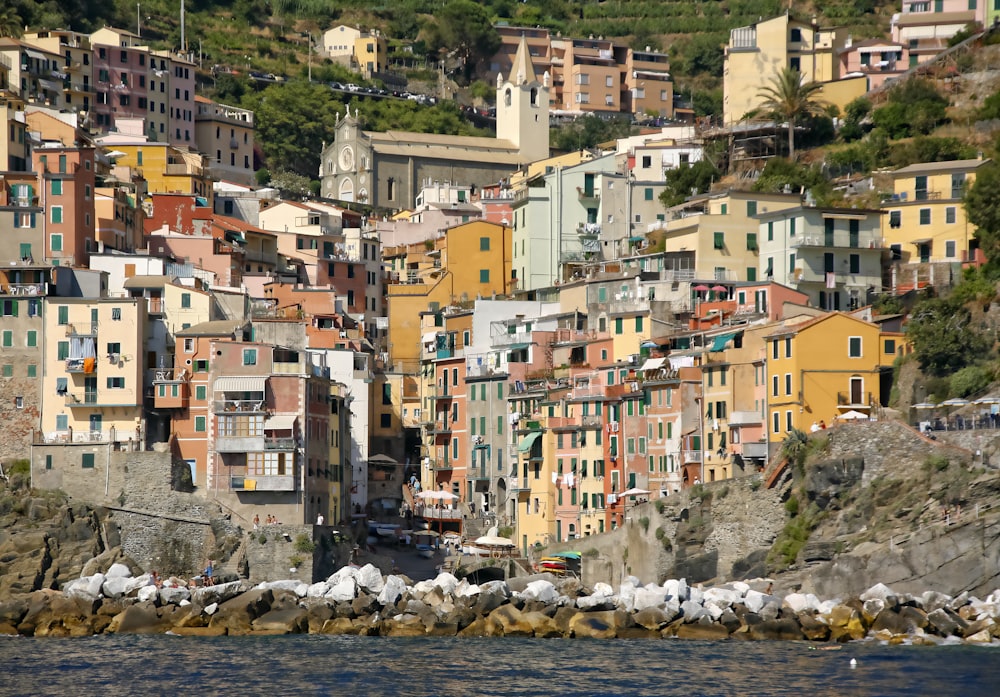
(10, 23)
(788, 98)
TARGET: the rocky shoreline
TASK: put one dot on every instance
(361, 601)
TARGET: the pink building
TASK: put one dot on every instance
(120, 76)
(67, 197)
(879, 59)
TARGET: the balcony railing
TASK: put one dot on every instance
(688, 456)
(440, 513)
(81, 399)
(757, 451)
(287, 444)
(28, 290)
(80, 365)
(846, 399)
(592, 420)
(244, 406)
(501, 339)
(273, 482)
(111, 435)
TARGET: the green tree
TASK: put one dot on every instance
(944, 340)
(982, 207)
(683, 182)
(587, 131)
(463, 29)
(10, 23)
(790, 98)
(914, 107)
(293, 120)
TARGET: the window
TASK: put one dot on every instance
(895, 219)
(638, 324)
(949, 215)
(752, 241)
(484, 244)
(484, 275)
(201, 366)
(116, 313)
(62, 422)
(200, 424)
(189, 346)
(117, 383)
(949, 249)
(87, 461)
(619, 329)
(249, 356)
(57, 214)
(890, 346)
(200, 392)
(8, 338)
(788, 383)
(62, 350)
(854, 347)
(185, 300)
(788, 347)
(855, 263)
(57, 188)
(770, 231)
(8, 370)
(751, 208)
(32, 370)
(647, 194)
(385, 421)
(774, 385)
(925, 216)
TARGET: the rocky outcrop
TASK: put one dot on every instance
(347, 602)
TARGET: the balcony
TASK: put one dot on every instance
(586, 194)
(441, 513)
(285, 444)
(155, 306)
(855, 400)
(81, 399)
(87, 366)
(477, 474)
(591, 420)
(745, 418)
(82, 331)
(502, 339)
(112, 435)
(690, 456)
(273, 482)
(183, 169)
(239, 406)
(24, 290)
(755, 451)
(239, 444)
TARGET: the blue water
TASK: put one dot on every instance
(337, 665)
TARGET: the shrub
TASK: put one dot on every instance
(792, 506)
(591, 553)
(262, 539)
(644, 523)
(724, 491)
(659, 505)
(936, 463)
(660, 533)
(970, 380)
(304, 544)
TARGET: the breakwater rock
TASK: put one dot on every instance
(362, 601)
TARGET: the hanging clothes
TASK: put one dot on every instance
(89, 364)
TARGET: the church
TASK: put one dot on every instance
(388, 170)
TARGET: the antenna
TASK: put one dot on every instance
(183, 40)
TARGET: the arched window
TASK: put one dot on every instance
(346, 190)
(534, 96)
(507, 96)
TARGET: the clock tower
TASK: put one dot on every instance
(523, 107)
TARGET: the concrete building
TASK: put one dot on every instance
(925, 27)
(834, 255)
(29, 71)
(77, 68)
(880, 60)
(225, 134)
(66, 196)
(92, 370)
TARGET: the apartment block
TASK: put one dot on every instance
(226, 135)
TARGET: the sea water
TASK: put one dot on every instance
(340, 665)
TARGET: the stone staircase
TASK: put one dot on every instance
(472, 526)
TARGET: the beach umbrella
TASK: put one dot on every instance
(720, 289)
(955, 402)
(634, 492)
(700, 288)
(440, 495)
(988, 400)
(853, 415)
(924, 405)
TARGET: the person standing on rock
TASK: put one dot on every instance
(256, 521)
(320, 519)
(209, 573)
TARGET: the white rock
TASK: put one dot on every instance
(754, 600)
(672, 607)
(696, 594)
(740, 586)
(94, 584)
(648, 597)
(542, 591)
(392, 590)
(932, 600)
(172, 596)
(497, 587)
(318, 589)
(873, 606)
(881, 592)
(626, 597)
(370, 578)
(343, 590)
(211, 609)
(446, 582)
(723, 597)
(133, 584)
(423, 587)
(184, 603)
(633, 581)
(826, 606)
(692, 611)
(288, 584)
(771, 608)
(467, 590)
(114, 587)
(588, 602)
(800, 602)
(148, 593)
(603, 589)
(714, 610)
(118, 571)
(342, 573)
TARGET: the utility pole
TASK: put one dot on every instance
(138, 19)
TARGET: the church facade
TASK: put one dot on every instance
(388, 170)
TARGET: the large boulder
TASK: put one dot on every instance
(542, 591)
(115, 586)
(288, 620)
(801, 602)
(755, 600)
(881, 592)
(392, 590)
(845, 624)
(370, 578)
(173, 596)
(703, 632)
(403, 625)
(599, 625)
(946, 622)
(318, 589)
(783, 629)
(651, 618)
(692, 611)
(446, 582)
(237, 614)
(141, 618)
(343, 589)
(648, 597)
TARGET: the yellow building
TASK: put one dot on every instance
(92, 376)
(536, 509)
(166, 169)
(926, 220)
(475, 261)
(824, 367)
(757, 52)
(715, 235)
(371, 53)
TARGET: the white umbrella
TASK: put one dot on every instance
(924, 405)
(437, 495)
(852, 415)
(494, 541)
(987, 400)
(634, 492)
(955, 402)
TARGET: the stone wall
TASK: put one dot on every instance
(888, 448)
(702, 538)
